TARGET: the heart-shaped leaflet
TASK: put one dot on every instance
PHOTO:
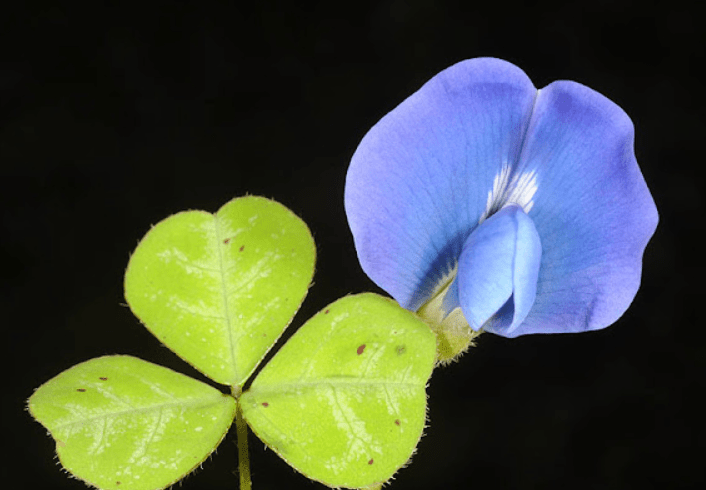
(344, 400)
(220, 289)
(120, 422)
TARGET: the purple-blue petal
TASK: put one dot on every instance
(475, 140)
(593, 210)
(497, 271)
(419, 181)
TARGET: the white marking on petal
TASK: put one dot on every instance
(522, 190)
(518, 189)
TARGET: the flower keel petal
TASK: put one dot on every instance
(497, 272)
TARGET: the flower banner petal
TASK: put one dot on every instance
(497, 271)
(592, 209)
(420, 180)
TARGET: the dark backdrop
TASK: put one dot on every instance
(112, 118)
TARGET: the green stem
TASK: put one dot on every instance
(243, 457)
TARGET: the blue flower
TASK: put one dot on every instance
(483, 202)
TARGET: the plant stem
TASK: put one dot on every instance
(243, 457)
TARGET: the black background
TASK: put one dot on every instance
(112, 118)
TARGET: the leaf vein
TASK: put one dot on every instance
(89, 420)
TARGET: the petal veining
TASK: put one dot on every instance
(418, 183)
(497, 271)
(592, 209)
(436, 181)
(511, 188)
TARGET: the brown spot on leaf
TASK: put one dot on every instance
(60, 443)
(241, 248)
(326, 312)
(397, 421)
(226, 241)
(81, 389)
(360, 349)
(371, 461)
(103, 378)
(265, 404)
(401, 349)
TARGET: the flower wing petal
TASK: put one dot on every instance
(419, 181)
(497, 271)
(593, 210)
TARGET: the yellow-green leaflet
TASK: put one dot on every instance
(344, 400)
(123, 423)
(220, 289)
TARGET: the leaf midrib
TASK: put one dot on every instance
(224, 295)
(161, 406)
(339, 382)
